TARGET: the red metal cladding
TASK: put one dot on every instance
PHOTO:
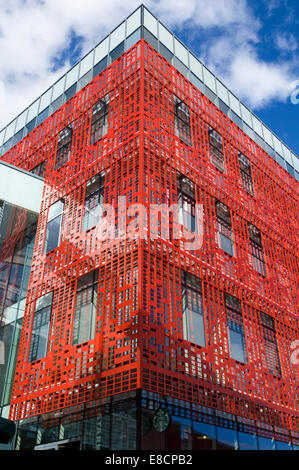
(160, 132)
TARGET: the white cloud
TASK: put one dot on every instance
(35, 32)
(259, 82)
(202, 13)
(286, 42)
(272, 5)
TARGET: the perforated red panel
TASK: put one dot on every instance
(139, 335)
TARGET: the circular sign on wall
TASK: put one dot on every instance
(161, 419)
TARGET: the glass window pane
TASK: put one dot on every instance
(257, 126)
(84, 80)
(40, 328)
(72, 77)
(117, 36)
(195, 66)
(204, 428)
(295, 161)
(85, 308)
(287, 154)
(226, 438)
(277, 144)
(193, 315)
(237, 346)
(226, 244)
(101, 50)
(98, 68)
(131, 40)
(32, 112)
(150, 23)
(21, 122)
(234, 104)
(246, 115)
(55, 209)
(266, 444)
(58, 88)
(222, 92)
(43, 341)
(52, 234)
(117, 51)
(134, 21)
(86, 64)
(181, 52)
(10, 130)
(247, 441)
(209, 79)
(70, 92)
(44, 301)
(2, 136)
(283, 446)
(45, 100)
(166, 37)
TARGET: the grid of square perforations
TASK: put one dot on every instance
(173, 366)
(144, 166)
(108, 364)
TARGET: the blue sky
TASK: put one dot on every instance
(252, 46)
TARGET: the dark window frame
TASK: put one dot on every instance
(86, 296)
(186, 198)
(269, 336)
(216, 149)
(235, 323)
(64, 147)
(224, 227)
(50, 221)
(42, 317)
(182, 120)
(245, 172)
(99, 119)
(40, 169)
(192, 287)
(256, 249)
(94, 193)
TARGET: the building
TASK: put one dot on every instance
(131, 338)
(20, 199)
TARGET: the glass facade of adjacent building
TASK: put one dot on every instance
(17, 236)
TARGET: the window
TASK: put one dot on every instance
(186, 202)
(245, 172)
(64, 147)
(182, 127)
(93, 203)
(99, 119)
(256, 247)
(40, 328)
(193, 314)
(269, 335)
(236, 336)
(224, 228)
(85, 308)
(40, 170)
(216, 149)
(53, 230)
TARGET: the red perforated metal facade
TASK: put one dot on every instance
(161, 129)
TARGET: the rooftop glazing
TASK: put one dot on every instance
(143, 24)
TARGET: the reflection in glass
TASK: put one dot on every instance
(226, 438)
(193, 314)
(85, 308)
(53, 230)
(266, 444)
(40, 328)
(247, 441)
